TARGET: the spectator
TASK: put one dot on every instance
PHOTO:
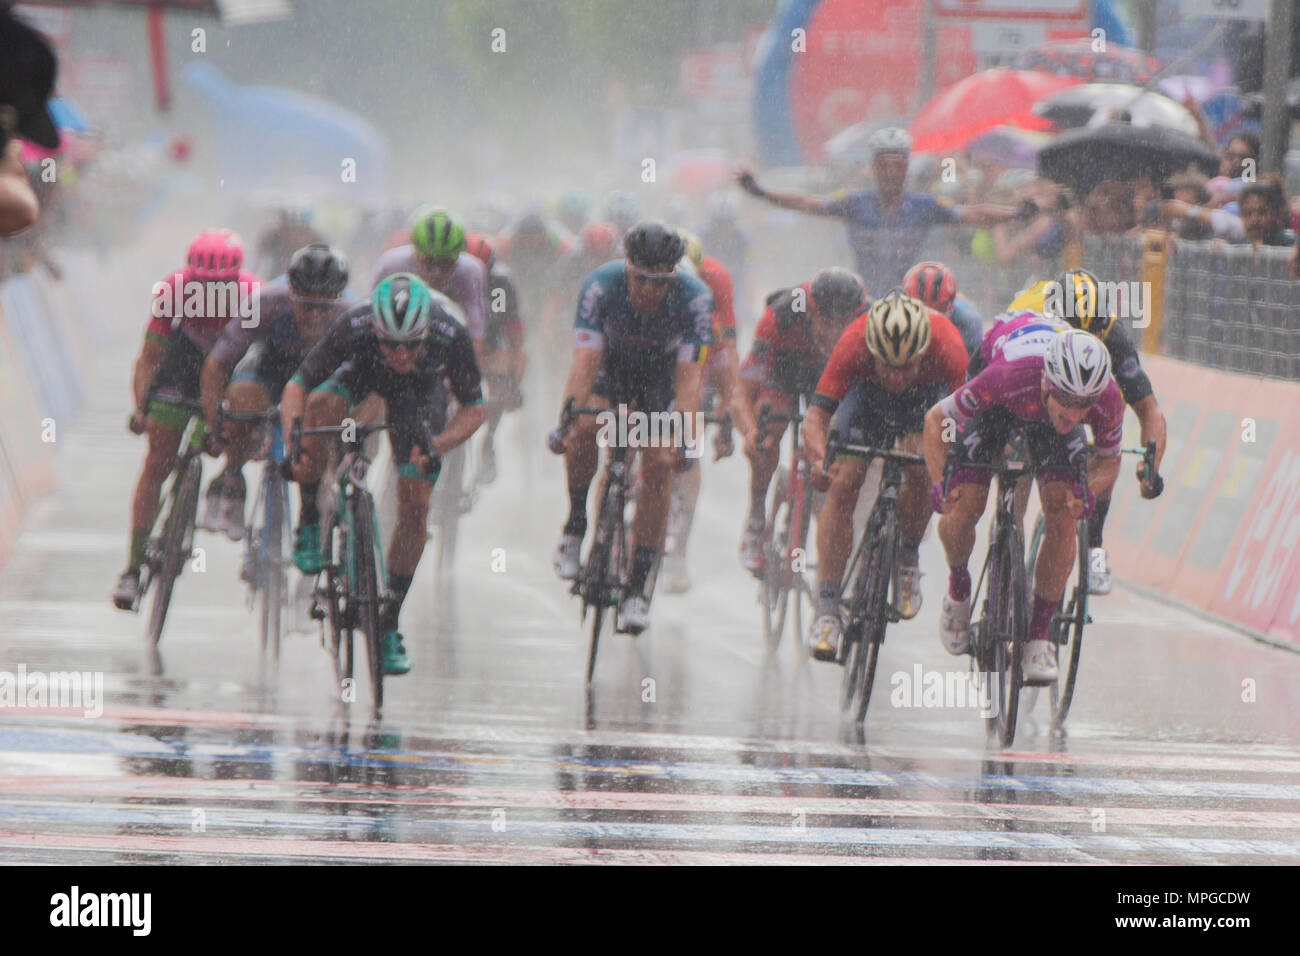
(1240, 159)
(886, 225)
(1035, 239)
(1108, 208)
(1185, 215)
(1265, 213)
(27, 71)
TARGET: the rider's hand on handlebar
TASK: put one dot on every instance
(1083, 501)
(137, 422)
(212, 444)
(820, 479)
(941, 503)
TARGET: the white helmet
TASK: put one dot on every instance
(890, 139)
(1077, 363)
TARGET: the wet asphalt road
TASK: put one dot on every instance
(694, 745)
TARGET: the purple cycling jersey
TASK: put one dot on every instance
(467, 287)
(1012, 379)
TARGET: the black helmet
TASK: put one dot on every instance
(653, 246)
(838, 293)
(318, 271)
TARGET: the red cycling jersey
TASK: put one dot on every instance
(944, 361)
(181, 302)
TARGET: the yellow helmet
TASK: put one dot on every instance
(694, 249)
(1076, 298)
(898, 328)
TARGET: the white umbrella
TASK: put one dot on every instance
(1093, 104)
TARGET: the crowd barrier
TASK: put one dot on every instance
(49, 333)
(1225, 535)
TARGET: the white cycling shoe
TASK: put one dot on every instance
(1038, 663)
(909, 592)
(566, 559)
(634, 614)
(1099, 580)
(954, 626)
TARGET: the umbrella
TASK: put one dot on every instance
(1091, 104)
(1077, 58)
(1009, 146)
(698, 172)
(1081, 158)
(978, 103)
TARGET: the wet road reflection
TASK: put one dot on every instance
(694, 744)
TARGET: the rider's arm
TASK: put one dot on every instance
(1152, 422)
(934, 445)
(1135, 385)
(816, 423)
(467, 385)
(145, 365)
(744, 406)
(325, 356)
(690, 376)
(293, 403)
(847, 361)
(985, 214)
(785, 198)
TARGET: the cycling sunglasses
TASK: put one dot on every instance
(653, 278)
(401, 346)
(1070, 401)
(314, 303)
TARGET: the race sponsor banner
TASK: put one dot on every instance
(1225, 535)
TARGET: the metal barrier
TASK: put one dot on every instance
(1233, 307)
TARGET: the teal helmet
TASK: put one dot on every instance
(438, 236)
(401, 308)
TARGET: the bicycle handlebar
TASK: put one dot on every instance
(765, 415)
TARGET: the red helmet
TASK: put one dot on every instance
(933, 283)
(599, 239)
(216, 254)
(478, 246)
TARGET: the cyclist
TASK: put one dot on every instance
(641, 334)
(1075, 297)
(621, 208)
(935, 285)
(887, 369)
(436, 253)
(504, 361)
(720, 376)
(573, 211)
(886, 226)
(598, 243)
(295, 311)
(726, 240)
(175, 344)
(533, 250)
(1054, 379)
(404, 345)
(291, 231)
(794, 339)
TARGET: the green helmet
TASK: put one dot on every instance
(437, 236)
(401, 308)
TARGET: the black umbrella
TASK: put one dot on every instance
(1081, 158)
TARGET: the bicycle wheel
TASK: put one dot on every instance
(365, 590)
(1012, 631)
(1067, 634)
(271, 570)
(774, 589)
(1035, 542)
(875, 612)
(600, 572)
(176, 543)
(340, 612)
(449, 488)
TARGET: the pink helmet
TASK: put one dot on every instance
(216, 254)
